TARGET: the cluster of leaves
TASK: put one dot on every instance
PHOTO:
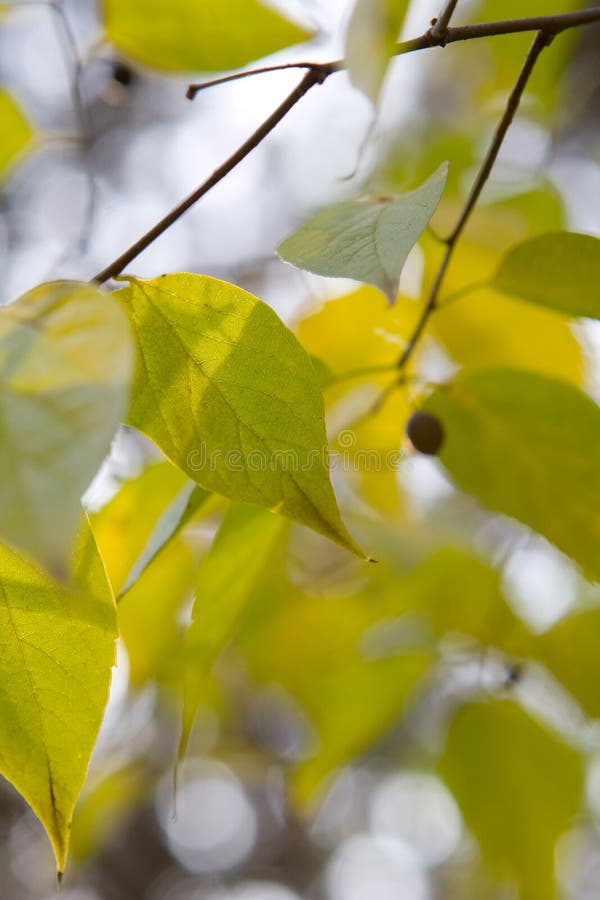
(234, 401)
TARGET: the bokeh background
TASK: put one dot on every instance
(109, 147)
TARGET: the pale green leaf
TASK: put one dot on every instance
(373, 31)
(66, 358)
(16, 134)
(124, 525)
(189, 36)
(519, 788)
(559, 270)
(366, 239)
(230, 396)
(58, 647)
(250, 536)
(177, 515)
(527, 446)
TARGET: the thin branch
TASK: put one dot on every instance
(194, 89)
(312, 77)
(440, 26)
(542, 40)
(548, 26)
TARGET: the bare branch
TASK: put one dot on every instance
(542, 40)
(194, 89)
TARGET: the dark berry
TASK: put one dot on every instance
(426, 433)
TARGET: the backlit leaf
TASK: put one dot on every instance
(184, 507)
(187, 36)
(527, 446)
(561, 271)
(58, 647)
(66, 359)
(373, 31)
(367, 239)
(519, 788)
(230, 396)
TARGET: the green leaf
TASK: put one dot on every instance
(16, 134)
(373, 31)
(519, 788)
(58, 647)
(183, 508)
(66, 358)
(366, 239)
(527, 446)
(230, 396)
(560, 271)
(570, 651)
(251, 537)
(188, 36)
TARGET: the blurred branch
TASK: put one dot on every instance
(68, 42)
(546, 26)
(542, 40)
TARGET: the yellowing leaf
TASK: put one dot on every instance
(184, 507)
(187, 35)
(519, 788)
(560, 271)
(250, 536)
(124, 526)
(16, 134)
(484, 329)
(66, 359)
(58, 647)
(230, 396)
(527, 446)
(366, 239)
(373, 31)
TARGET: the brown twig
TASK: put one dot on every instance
(548, 26)
(542, 40)
(439, 28)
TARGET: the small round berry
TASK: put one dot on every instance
(426, 433)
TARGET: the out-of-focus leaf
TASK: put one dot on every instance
(484, 329)
(478, 610)
(561, 271)
(527, 446)
(227, 578)
(58, 648)
(66, 359)
(105, 807)
(317, 649)
(570, 651)
(230, 396)
(184, 507)
(150, 616)
(124, 526)
(519, 788)
(366, 239)
(373, 31)
(187, 36)
(16, 134)
(369, 336)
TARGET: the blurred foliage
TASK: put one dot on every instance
(299, 680)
